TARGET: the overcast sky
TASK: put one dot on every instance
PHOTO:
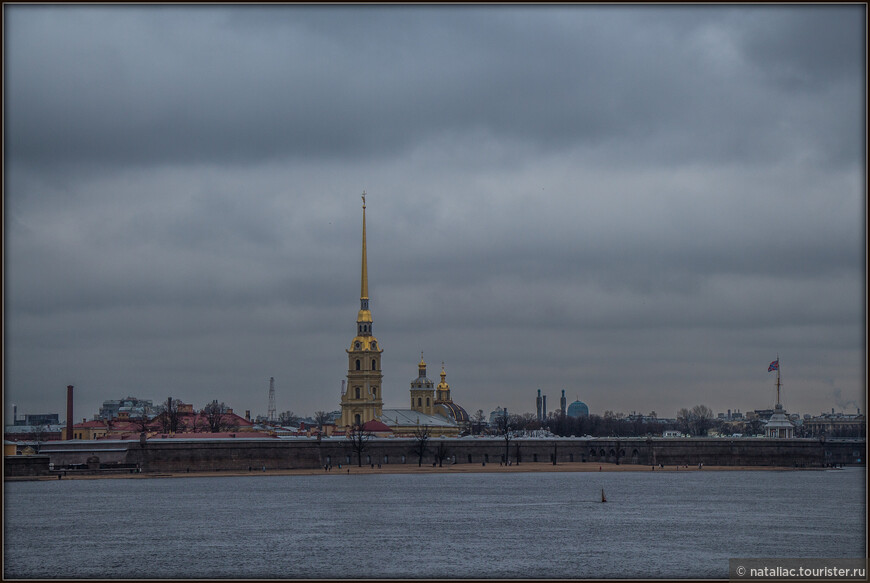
(642, 206)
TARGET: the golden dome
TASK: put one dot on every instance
(443, 384)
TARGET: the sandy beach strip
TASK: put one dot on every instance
(413, 468)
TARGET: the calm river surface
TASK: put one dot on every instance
(544, 525)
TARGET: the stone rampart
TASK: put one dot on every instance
(178, 455)
(25, 465)
(181, 455)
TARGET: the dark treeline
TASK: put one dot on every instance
(698, 421)
(601, 426)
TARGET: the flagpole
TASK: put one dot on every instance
(777, 379)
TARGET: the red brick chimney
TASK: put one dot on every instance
(69, 412)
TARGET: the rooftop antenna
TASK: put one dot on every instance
(271, 399)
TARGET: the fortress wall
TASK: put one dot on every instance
(25, 465)
(179, 456)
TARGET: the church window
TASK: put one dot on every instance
(357, 395)
(357, 364)
(356, 418)
(419, 402)
(374, 345)
(356, 345)
(374, 391)
(374, 364)
(427, 401)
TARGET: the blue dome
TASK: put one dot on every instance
(578, 409)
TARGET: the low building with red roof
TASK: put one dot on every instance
(377, 428)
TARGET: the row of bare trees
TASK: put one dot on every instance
(696, 421)
(292, 419)
(215, 417)
(357, 439)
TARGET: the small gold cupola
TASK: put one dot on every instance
(443, 389)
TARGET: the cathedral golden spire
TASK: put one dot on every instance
(364, 280)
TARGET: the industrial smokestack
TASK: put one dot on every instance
(563, 402)
(15, 413)
(538, 404)
(545, 406)
(69, 412)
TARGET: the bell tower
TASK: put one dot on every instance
(422, 391)
(362, 400)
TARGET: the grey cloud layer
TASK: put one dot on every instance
(553, 192)
(138, 86)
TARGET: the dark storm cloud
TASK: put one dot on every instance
(135, 85)
(554, 192)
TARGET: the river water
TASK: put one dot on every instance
(517, 525)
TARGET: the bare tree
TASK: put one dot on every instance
(216, 416)
(559, 423)
(321, 417)
(695, 422)
(753, 426)
(702, 419)
(530, 421)
(358, 440)
(141, 421)
(169, 415)
(288, 418)
(421, 439)
(442, 452)
(477, 421)
(40, 435)
(505, 425)
(684, 420)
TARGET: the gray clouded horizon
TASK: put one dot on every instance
(640, 205)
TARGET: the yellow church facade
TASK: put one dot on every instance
(362, 396)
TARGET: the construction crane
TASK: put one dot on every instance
(272, 416)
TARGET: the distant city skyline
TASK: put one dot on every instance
(639, 205)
